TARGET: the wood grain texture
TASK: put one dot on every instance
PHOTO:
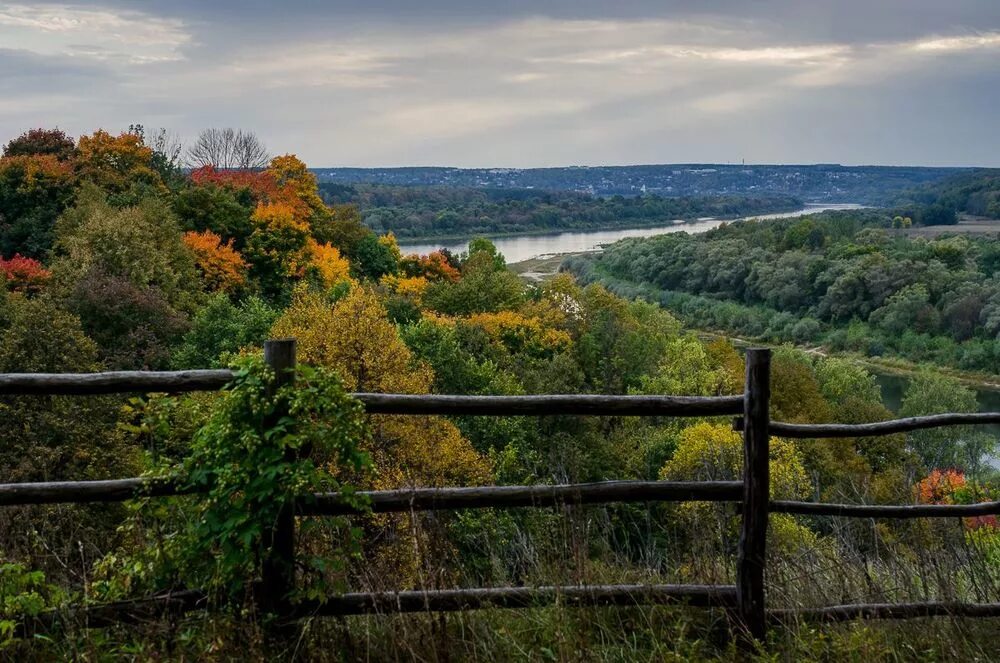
(756, 484)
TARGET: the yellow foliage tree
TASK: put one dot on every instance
(714, 452)
(388, 240)
(115, 163)
(412, 287)
(328, 263)
(519, 333)
(298, 186)
(356, 338)
(277, 216)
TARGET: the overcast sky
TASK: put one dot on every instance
(522, 83)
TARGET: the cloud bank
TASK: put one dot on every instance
(520, 85)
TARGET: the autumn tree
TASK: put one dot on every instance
(24, 275)
(355, 338)
(276, 248)
(221, 266)
(434, 266)
(41, 142)
(327, 263)
(116, 163)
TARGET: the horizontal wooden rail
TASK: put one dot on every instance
(83, 492)
(133, 611)
(432, 499)
(841, 613)
(114, 382)
(883, 427)
(887, 511)
(450, 600)
(207, 380)
(569, 404)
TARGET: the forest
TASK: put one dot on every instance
(112, 257)
(849, 281)
(976, 193)
(415, 212)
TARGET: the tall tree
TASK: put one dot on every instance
(228, 149)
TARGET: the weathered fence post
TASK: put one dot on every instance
(278, 565)
(756, 485)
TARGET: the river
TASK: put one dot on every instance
(517, 248)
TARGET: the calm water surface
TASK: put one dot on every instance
(518, 248)
(894, 387)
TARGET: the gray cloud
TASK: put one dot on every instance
(513, 83)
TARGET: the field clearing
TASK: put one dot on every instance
(536, 270)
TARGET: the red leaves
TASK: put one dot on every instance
(951, 487)
(23, 274)
(261, 183)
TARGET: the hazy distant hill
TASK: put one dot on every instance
(812, 183)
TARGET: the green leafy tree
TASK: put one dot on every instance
(909, 309)
(257, 453)
(222, 210)
(373, 259)
(222, 329)
(34, 191)
(483, 288)
(56, 438)
(960, 447)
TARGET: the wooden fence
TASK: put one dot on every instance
(745, 601)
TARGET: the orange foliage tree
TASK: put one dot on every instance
(222, 266)
(940, 486)
(433, 266)
(951, 487)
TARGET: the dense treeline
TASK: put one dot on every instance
(811, 182)
(465, 212)
(976, 193)
(843, 279)
(113, 258)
